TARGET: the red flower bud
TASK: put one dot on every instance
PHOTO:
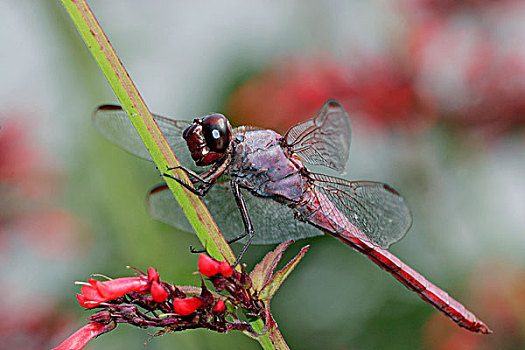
(186, 306)
(98, 292)
(113, 289)
(225, 269)
(219, 306)
(153, 275)
(80, 338)
(208, 266)
(158, 292)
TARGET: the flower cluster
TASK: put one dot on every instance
(145, 301)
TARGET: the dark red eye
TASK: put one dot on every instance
(217, 132)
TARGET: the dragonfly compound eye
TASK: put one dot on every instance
(217, 132)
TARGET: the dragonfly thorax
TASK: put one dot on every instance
(261, 165)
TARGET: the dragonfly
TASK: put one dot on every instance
(262, 175)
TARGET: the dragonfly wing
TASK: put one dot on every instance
(323, 139)
(113, 122)
(374, 208)
(273, 222)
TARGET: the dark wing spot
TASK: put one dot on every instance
(390, 189)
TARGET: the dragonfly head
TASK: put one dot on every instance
(208, 138)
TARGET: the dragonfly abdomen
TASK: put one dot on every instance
(419, 284)
(323, 218)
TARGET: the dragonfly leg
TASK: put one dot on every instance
(207, 179)
(190, 172)
(248, 227)
(233, 240)
(200, 190)
(197, 251)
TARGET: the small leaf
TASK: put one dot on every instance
(263, 271)
(271, 287)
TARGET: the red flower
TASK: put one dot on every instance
(219, 306)
(186, 306)
(158, 292)
(225, 269)
(153, 275)
(97, 292)
(208, 266)
(80, 338)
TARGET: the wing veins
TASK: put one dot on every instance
(381, 214)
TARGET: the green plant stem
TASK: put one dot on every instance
(131, 101)
(134, 105)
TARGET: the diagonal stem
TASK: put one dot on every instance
(141, 118)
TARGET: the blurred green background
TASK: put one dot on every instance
(436, 94)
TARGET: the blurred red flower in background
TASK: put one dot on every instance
(497, 85)
(24, 167)
(28, 322)
(29, 182)
(502, 295)
(287, 93)
(380, 90)
(447, 7)
(459, 71)
(474, 74)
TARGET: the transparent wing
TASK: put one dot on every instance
(375, 208)
(273, 222)
(112, 122)
(323, 139)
